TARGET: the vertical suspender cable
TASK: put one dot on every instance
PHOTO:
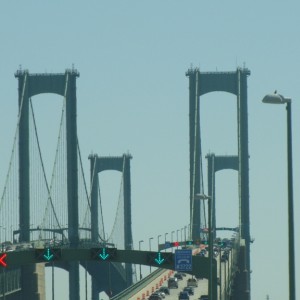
(15, 141)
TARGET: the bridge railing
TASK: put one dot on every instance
(10, 281)
(132, 290)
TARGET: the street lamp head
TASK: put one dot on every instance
(276, 99)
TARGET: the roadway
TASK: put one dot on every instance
(152, 283)
(155, 284)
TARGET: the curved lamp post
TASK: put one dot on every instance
(150, 248)
(158, 242)
(166, 240)
(279, 99)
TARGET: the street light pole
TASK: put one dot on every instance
(290, 204)
(166, 241)
(172, 236)
(140, 264)
(158, 242)
(150, 248)
(279, 99)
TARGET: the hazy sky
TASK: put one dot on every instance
(133, 96)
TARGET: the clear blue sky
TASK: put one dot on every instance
(133, 96)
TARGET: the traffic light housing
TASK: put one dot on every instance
(176, 244)
(47, 254)
(103, 253)
(159, 258)
(189, 243)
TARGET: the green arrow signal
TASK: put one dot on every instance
(49, 255)
(159, 260)
(104, 255)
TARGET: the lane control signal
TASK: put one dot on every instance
(159, 258)
(48, 254)
(103, 253)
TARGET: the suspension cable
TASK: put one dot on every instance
(42, 163)
(119, 201)
(56, 158)
(85, 186)
(101, 212)
(15, 140)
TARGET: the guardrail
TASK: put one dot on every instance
(133, 289)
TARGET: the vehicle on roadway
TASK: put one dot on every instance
(189, 289)
(155, 296)
(204, 297)
(183, 296)
(179, 276)
(172, 283)
(192, 282)
(165, 290)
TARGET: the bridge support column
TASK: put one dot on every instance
(33, 282)
(240, 283)
(74, 292)
(64, 85)
(95, 293)
(72, 180)
(195, 154)
(127, 215)
(122, 164)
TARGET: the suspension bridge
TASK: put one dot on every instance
(57, 219)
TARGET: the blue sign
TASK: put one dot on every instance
(183, 260)
(167, 245)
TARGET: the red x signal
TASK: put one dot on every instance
(2, 262)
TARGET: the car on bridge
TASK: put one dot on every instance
(155, 297)
(165, 290)
(172, 283)
(183, 296)
(179, 276)
(192, 282)
(189, 289)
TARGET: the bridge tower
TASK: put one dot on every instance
(121, 164)
(29, 85)
(201, 83)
